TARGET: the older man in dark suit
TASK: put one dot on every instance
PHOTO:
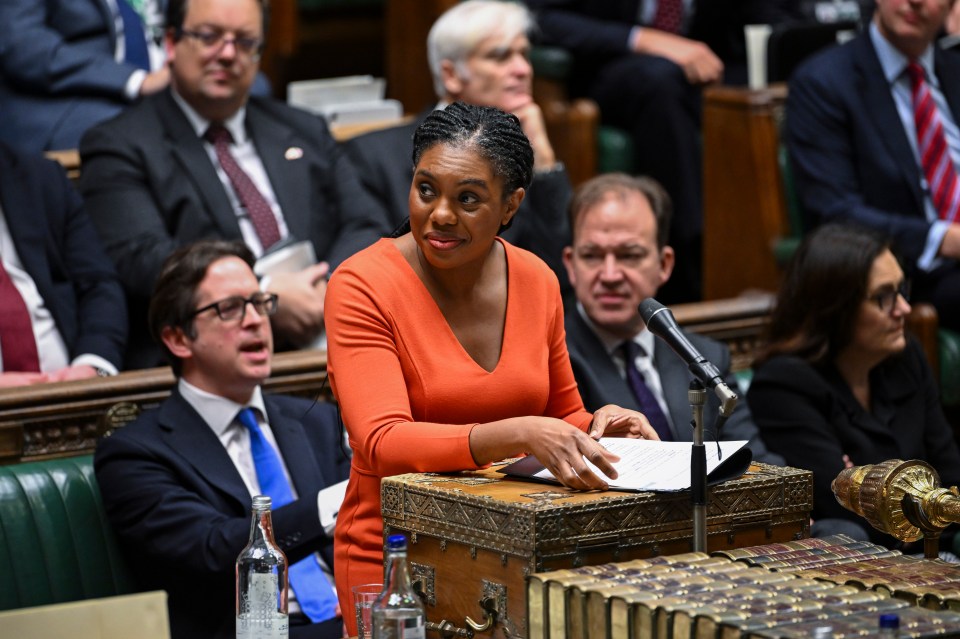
(177, 483)
(645, 62)
(620, 257)
(205, 159)
(853, 117)
(62, 313)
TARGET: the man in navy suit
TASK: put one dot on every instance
(851, 135)
(620, 257)
(645, 63)
(66, 65)
(177, 483)
(153, 179)
(70, 290)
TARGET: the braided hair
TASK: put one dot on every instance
(496, 135)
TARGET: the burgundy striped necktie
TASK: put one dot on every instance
(938, 168)
(17, 343)
(257, 207)
(669, 16)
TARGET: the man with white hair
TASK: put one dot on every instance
(478, 53)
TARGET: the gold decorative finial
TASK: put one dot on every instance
(900, 498)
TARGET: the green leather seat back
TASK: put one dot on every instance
(949, 342)
(55, 542)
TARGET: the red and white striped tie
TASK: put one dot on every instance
(935, 158)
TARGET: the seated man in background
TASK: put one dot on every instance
(62, 313)
(478, 52)
(178, 482)
(871, 128)
(620, 257)
(645, 63)
(204, 159)
(66, 65)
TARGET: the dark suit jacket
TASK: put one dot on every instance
(810, 416)
(58, 75)
(150, 187)
(385, 164)
(59, 248)
(848, 150)
(600, 383)
(601, 29)
(182, 512)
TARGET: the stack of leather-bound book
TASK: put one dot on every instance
(776, 590)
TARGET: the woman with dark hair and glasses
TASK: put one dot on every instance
(840, 382)
(446, 344)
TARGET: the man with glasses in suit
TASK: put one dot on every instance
(178, 482)
(205, 159)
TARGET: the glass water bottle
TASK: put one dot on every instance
(398, 612)
(262, 580)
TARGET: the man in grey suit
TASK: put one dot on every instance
(205, 159)
(620, 257)
(66, 65)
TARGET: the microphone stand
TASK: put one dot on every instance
(697, 396)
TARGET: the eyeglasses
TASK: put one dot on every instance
(235, 308)
(886, 300)
(215, 39)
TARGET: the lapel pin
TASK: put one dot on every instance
(293, 153)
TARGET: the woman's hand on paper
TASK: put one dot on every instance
(561, 448)
(614, 421)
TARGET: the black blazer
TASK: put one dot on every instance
(848, 150)
(60, 250)
(384, 161)
(600, 383)
(810, 416)
(182, 512)
(150, 187)
(601, 29)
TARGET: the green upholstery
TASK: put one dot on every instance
(949, 346)
(55, 542)
(614, 150)
(785, 247)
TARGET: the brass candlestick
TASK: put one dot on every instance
(900, 498)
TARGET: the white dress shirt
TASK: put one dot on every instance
(51, 348)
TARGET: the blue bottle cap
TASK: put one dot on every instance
(396, 542)
(889, 620)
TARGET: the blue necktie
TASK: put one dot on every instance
(134, 39)
(649, 405)
(311, 586)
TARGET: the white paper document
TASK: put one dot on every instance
(652, 465)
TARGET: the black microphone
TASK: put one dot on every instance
(661, 323)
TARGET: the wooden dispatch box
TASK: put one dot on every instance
(476, 535)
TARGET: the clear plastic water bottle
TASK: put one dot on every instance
(398, 612)
(889, 625)
(262, 580)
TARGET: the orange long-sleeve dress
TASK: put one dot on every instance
(410, 394)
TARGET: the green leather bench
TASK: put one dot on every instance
(55, 542)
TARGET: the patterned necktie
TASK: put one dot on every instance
(938, 168)
(134, 39)
(17, 343)
(649, 405)
(261, 215)
(311, 586)
(669, 16)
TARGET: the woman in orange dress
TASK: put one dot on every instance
(446, 344)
